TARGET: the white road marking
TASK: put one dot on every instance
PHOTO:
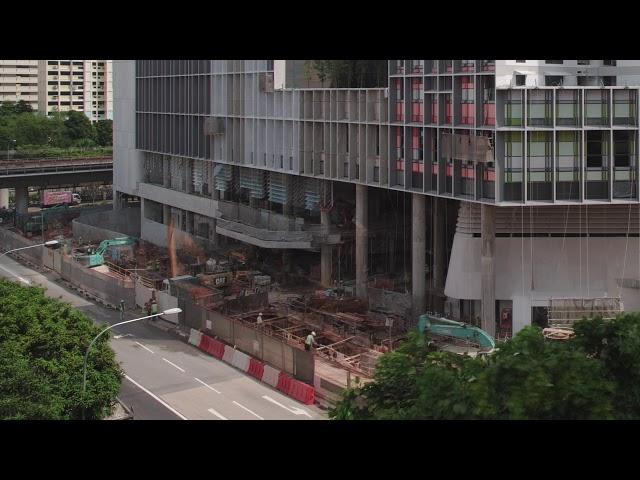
(208, 386)
(118, 337)
(211, 410)
(23, 280)
(173, 364)
(294, 410)
(245, 408)
(164, 404)
(147, 349)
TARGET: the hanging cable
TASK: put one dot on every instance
(586, 211)
(522, 246)
(626, 246)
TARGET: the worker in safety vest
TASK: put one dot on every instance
(310, 341)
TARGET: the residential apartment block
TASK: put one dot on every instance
(511, 182)
(82, 85)
(19, 81)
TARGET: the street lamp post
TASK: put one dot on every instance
(50, 243)
(170, 311)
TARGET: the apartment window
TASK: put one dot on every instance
(399, 164)
(521, 61)
(513, 111)
(624, 164)
(610, 63)
(417, 66)
(521, 80)
(467, 65)
(399, 66)
(540, 153)
(568, 108)
(609, 81)
(488, 65)
(554, 62)
(624, 107)
(417, 103)
(584, 62)
(513, 157)
(553, 80)
(399, 87)
(567, 165)
(468, 100)
(596, 107)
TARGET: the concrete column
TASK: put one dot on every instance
(166, 214)
(4, 198)
(418, 254)
(325, 251)
(166, 171)
(22, 200)
(439, 257)
(362, 241)
(488, 279)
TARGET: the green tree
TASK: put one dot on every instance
(42, 346)
(617, 345)
(104, 132)
(78, 126)
(23, 107)
(528, 377)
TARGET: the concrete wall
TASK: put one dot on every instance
(562, 267)
(273, 351)
(158, 234)
(127, 161)
(108, 288)
(387, 300)
(110, 224)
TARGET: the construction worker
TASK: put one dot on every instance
(259, 320)
(154, 308)
(310, 341)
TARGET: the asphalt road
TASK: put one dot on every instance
(167, 378)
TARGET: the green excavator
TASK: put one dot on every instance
(451, 331)
(97, 258)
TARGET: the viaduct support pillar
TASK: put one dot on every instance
(325, 251)
(4, 198)
(362, 240)
(22, 200)
(418, 254)
(487, 259)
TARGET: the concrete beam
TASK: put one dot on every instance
(418, 254)
(362, 241)
(487, 269)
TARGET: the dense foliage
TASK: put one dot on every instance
(22, 129)
(42, 347)
(352, 73)
(596, 375)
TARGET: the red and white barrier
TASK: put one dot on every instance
(228, 354)
(240, 360)
(272, 376)
(195, 336)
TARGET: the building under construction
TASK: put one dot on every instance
(483, 189)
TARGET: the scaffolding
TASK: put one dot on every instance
(564, 312)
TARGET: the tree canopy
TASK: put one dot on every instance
(352, 73)
(42, 347)
(61, 130)
(595, 375)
